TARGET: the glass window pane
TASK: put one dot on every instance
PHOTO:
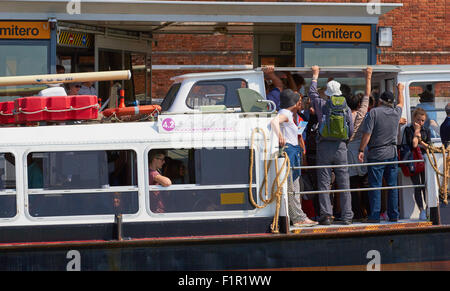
(200, 167)
(19, 60)
(433, 97)
(200, 200)
(16, 60)
(83, 204)
(7, 182)
(81, 169)
(335, 56)
(215, 92)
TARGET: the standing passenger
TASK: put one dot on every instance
(414, 134)
(284, 127)
(358, 175)
(332, 150)
(445, 128)
(379, 130)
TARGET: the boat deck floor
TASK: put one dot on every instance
(360, 226)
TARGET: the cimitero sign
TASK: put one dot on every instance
(336, 33)
(24, 30)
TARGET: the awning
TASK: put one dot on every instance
(194, 16)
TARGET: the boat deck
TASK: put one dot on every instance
(359, 226)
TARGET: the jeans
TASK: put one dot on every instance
(294, 153)
(376, 174)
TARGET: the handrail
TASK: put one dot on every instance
(356, 165)
(359, 189)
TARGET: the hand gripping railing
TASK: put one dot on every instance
(357, 165)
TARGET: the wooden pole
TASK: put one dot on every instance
(65, 78)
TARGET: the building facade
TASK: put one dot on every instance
(420, 36)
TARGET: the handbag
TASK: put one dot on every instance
(406, 153)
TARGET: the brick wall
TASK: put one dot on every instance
(421, 35)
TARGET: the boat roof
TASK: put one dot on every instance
(206, 75)
(238, 128)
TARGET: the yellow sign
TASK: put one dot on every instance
(336, 33)
(75, 39)
(232, 198)
(24, 30)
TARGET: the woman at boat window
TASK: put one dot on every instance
(156, 162)
(414, 134)
(284, 127)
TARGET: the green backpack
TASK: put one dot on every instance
(334, 125)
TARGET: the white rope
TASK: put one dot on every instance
(60, 110)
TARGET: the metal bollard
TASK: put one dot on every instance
(118, 227)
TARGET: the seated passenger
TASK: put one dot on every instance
(175, 171)
(156, 161)
(73, 89)
(35, 177)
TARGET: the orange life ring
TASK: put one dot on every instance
(134, 110)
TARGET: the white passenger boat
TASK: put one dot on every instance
(76, 195)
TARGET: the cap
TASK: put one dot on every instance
(333, 89)
(387, 96)
(288, 98)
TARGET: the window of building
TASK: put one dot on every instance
(8, 207)
(433, 97)
(82, 183)
(23, 58)
(215, 92)
(335, 56)
(212, 180)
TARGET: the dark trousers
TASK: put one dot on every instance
(419, 179)
(360, 199)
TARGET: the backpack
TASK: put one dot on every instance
(334, 124)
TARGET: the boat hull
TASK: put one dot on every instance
(414, 248)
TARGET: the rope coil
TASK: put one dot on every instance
(445, 174)
(276, 191)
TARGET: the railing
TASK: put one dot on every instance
(357, 165)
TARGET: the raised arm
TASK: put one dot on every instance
(401, 98)
(313, 93)
(269, 73)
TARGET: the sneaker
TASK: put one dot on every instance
(367, 220)
(345, 222)
(423, 215)
(383, 216)
(305, 223)
(326, 220)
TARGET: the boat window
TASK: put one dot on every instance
(215, 92)
(7, 185)
(432, 97)
(214, 180)
(82, 182)
(170, 97)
